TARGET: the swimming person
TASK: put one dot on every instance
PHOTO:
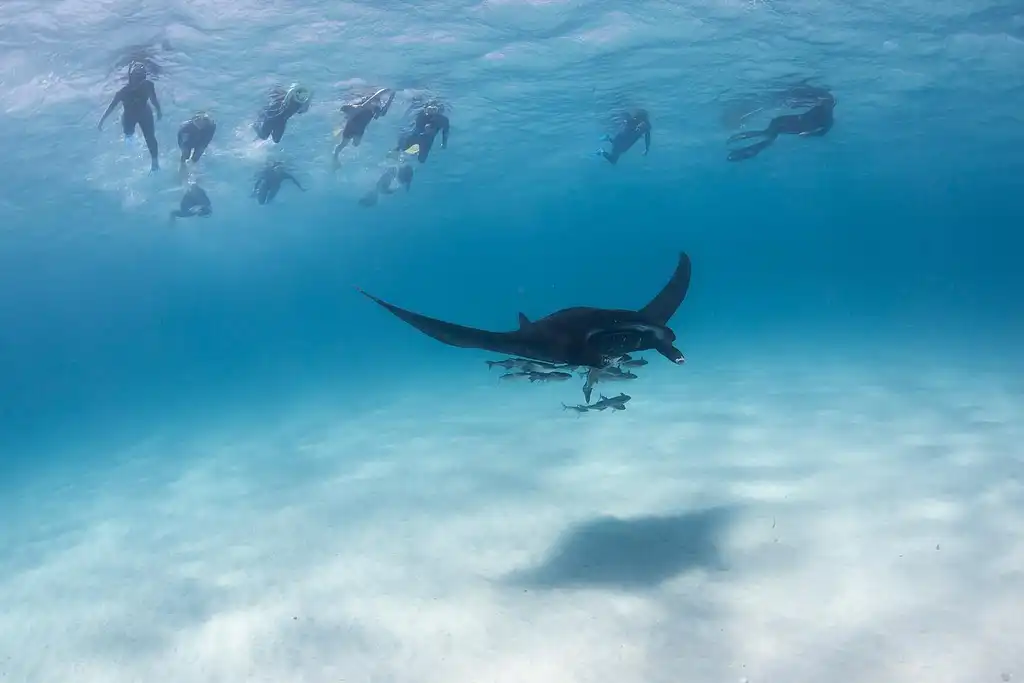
(798, 95)
(429, 122)
(134, 99)
(358, 117)
(268, 182)
(816, 121)
(193, 138)
(282, 105)
(194, 203)
(636, 125)
(402, 174)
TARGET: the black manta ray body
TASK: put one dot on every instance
(580, 336)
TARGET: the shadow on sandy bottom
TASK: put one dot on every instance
(636, 553)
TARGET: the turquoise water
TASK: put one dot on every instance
(219, 462)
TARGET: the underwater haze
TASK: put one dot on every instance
(220, 462)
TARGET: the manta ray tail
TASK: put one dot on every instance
(456, 335)
(662, 307)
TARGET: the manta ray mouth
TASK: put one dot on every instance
(625, 337)
(640, 328)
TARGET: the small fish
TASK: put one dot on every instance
(513, 376)
(549, 376)
(524, 364)
(578, 409)
(539, 366)
(614, 374)
(615, 402)
(609, 374)
(593, 376)
(633, 363)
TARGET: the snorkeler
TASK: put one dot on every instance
(801, 94)
(402, 174)
(635, 125)
(359, 116)
(194, 203)
(134, 99)
(429, 121)
(815, 121)
(283, 104)
(193, 138)
(268, 182)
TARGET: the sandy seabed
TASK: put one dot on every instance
(797, 524)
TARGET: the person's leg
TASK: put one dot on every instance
(149, 132)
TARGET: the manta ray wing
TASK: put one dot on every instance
(662, 307)
(511, 343)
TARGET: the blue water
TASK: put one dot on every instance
(193, 406)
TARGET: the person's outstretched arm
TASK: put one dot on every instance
(110, 107)
(289, 176)
(445, 126)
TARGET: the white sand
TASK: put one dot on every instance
(794, 524)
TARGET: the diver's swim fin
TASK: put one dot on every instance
(746, 135)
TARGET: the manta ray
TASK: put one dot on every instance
(580, 336)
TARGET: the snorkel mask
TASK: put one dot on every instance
(300, 95)
(136, 72)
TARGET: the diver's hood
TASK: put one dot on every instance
(136, 70)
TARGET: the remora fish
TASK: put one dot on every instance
(508, 363)
(579, 409)
(513, 376)
(549, 376)
(615, 402)
(609, 374)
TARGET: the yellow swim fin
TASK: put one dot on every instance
(415, 149)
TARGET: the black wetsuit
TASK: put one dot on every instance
(134, 99)
(402, 174)
(194, 203)
(193, 139)
(425, 129)
(815, 121)
(803, 94)
(636, 126)
(356, 123)
(268, 183)
(274, 117)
